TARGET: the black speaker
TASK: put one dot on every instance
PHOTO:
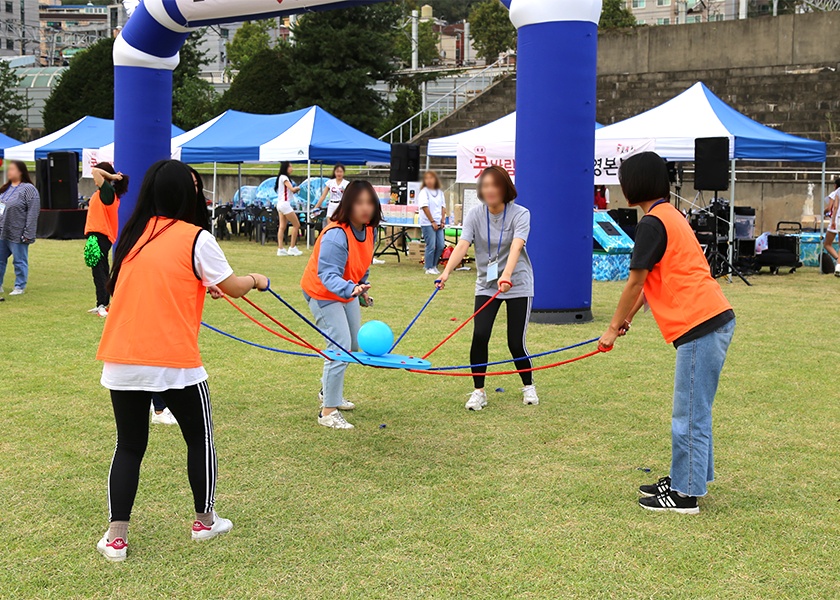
(711, 164)
(63, 180)
(405, 162)
(42, 181)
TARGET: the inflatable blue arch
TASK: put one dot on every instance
(555, 145)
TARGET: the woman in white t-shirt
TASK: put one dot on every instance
(285, 194)
(335, 189)
(432, 220)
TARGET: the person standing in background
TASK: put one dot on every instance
(432, 220)
(833, 203)
(102, 224)
(602, 197)
(285, 194)
(335, 189)
(20, 205)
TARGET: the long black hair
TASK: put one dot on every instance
(284, 170)
(353, 194)
(24, 174)
(167, 191)
(201, 197)
(120, 186)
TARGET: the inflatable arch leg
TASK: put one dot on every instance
(146, 53)
(555, 148)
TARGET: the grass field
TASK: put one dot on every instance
(511, 502)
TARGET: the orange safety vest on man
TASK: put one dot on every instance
(103, 218)
(155, 315)
(359, 258)
(680, 290)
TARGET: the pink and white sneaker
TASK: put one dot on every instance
(115, 551)
(201, 532)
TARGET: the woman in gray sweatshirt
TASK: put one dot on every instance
(19, 208)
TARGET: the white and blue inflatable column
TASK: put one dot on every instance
(555, 148)
(145, 54)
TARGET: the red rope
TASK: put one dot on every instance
(531, 370)
(302, 343)
(461, 326)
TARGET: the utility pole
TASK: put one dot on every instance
(415, 40)
(23, 28)
(743, 9)
(466, 42)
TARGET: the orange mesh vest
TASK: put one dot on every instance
(102, 218)
(156, 311)
(680, 290)
(359, 257)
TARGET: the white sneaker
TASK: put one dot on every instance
(293, 251)
(92, 311)
(334, 420)
(436, 271)
(432, 272)
(477, 401)
(529, 396)
(164, 418)
(115, 551)
(345, 404)
(282, 252)
(16, 292)
(836, 272)
(201, 532)
(376, 261)
(102, 311)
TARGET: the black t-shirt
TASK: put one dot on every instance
(651, 242)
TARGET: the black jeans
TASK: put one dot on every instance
(191, 407)
(518, 313)
(102, 271)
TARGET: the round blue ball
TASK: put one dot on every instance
(375, 338)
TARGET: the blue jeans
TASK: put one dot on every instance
(699, 364)
(341, 321)
(435, 242)
(20, 257)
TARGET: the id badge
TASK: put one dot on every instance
(492, 271)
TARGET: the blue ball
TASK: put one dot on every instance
(375, 338)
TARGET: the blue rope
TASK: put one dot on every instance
(313, 325)
(510, 360)
(233, 337)
(410, 325)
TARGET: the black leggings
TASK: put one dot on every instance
(101, 271)
(518, 313)
(191, 407)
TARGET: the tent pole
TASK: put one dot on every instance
(215, 198)
(239, 183)
(731, 253)
(308, 205)
(821, 212)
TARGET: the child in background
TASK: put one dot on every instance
(335, 189)
(164, 262)
(833, 200)
(670, 274)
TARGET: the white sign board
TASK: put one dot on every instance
(609, 154)
(473, 160)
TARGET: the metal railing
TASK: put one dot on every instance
(448, 103)
(822, 5)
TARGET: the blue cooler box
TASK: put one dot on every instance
(810, 248)
(612, 249)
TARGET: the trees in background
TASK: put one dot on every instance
(12, 102)
(492, 31)
(250, 39)
(615, 15)
(193, 99)
(262, 84)
(429, 54)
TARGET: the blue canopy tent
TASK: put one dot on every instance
(698, 113)
(87, 132)
(7, 142)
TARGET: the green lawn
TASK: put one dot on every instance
(511, 502)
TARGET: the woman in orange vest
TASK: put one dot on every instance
(670, 274)
(164, 264)
(102, 224)
(336, 281)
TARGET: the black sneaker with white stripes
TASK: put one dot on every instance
(660, 487)
(671, 501)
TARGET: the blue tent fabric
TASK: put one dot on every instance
(754, 141)
(91, 132)
(7, 142)
(237, 137)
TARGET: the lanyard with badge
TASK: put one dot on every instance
(4, 198)
(493, 264)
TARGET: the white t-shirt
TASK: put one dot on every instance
(284, 194)
(434, 199)
(336, 191)
(213, 267)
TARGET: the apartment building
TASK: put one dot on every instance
(18, 27)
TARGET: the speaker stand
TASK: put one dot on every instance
(715, 257)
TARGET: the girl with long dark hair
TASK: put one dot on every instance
(164, 262)
(334, 189)
(20, 206)
(334, 279)
(102, 227)
(285, 194)
(499, 229)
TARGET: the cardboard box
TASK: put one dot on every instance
(458, 214)
(416, 250)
